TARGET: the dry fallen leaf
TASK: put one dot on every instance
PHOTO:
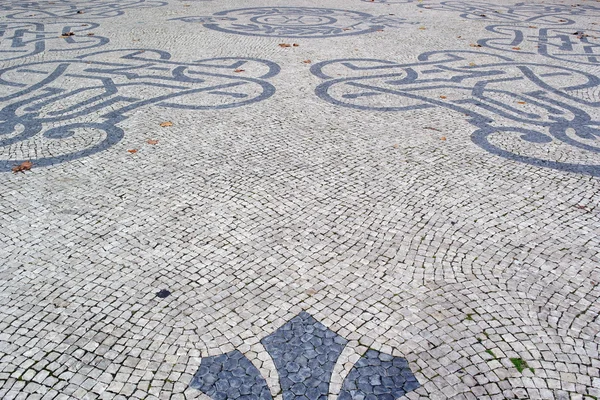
(166, 123)
(284, 45)
(296, 45)
(443, 138)
(532, 26)
(152, 141)
(24, 166)
(132, 151)
(239, 70)
(516, 48)
(521, 102)
(306, 61)
(475, 45)
(472, 64)
(442, 97)
(422, 28)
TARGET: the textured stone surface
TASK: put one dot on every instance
(378, 375)
(230, 376)
(444, 212)
(304, 352)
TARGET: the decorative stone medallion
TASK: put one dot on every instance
(521, 111)
(295, 22)
(304, 352)
(57, 111)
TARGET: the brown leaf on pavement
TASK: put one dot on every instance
(475, 45)
(443, 138)
(306, 61)
(284, 45)
(295, 45)
(24, 166)
(152, 141)
(239, 70)
(166, 123)
(132, 151)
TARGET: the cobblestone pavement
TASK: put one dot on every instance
(277, 199)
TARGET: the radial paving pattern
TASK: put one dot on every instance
(270, 199)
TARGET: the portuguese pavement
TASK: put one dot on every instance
(299, 199)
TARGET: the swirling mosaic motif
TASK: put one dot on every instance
(549, 14)
(304, 353)
(391, 1)
(295, 22)
(72, 9)
(25, 39)
(57, 111)
(537, 114)
(560, 43)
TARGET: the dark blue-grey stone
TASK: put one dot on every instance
(305, 342)
(378, 376)
(230, 376)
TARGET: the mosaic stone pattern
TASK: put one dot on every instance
(538, 13)
(378, 376)
(304, 352)
(570, 44)
(35, 98)
(27, 39)
(230, 376)
(486, 93)
(72, 9)
(427, 190)
(296, 22)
